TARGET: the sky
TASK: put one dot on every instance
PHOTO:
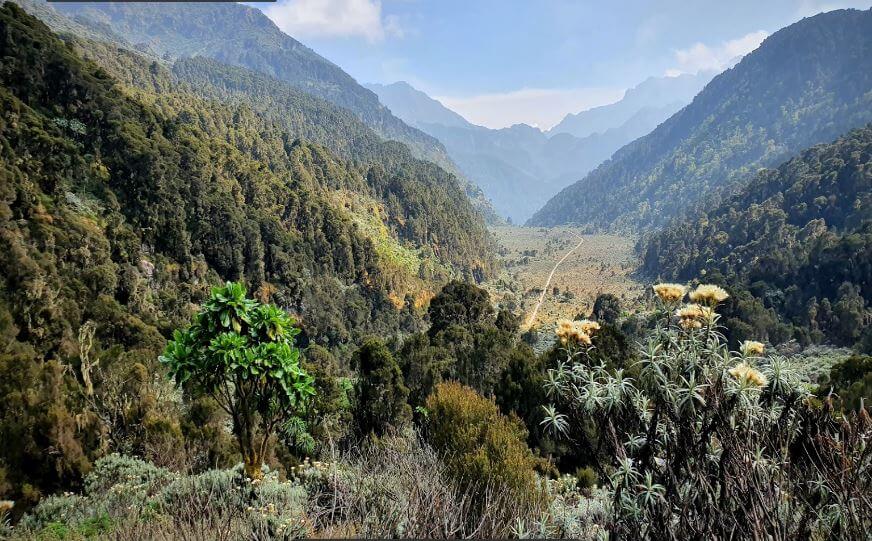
(502, 62)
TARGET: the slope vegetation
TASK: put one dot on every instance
(799, 238)
(806, 84)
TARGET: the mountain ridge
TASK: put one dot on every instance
(240, 35)
(807, 83)
(522, 159)
(667, 93)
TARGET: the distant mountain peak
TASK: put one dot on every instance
(415, 107)
(653, 92)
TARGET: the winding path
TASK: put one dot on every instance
(532, 318)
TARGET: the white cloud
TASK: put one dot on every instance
(807, 8)
(333, 18)
(539, 107)
(702, 57)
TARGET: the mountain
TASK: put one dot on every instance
(799, 238)
(519, 168)
(240, 35)
(806, 84)
(656, 96)
(125, 195)
(416, 107)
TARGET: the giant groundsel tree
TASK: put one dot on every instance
(242, 353)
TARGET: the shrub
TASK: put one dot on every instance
(607, 308)
(399, 487)
(707, 441)
(478, 444)
(851, 381)
(134, 499)
(587, 478)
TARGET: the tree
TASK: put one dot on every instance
(242, 354)
(606, 308)
(382, 396)
(461, 304)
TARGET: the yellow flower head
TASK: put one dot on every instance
(752, 348)
(693, 316)
(708, 294)
(575, 331)
(688, 324)
(588, 326)
(694, 311)
(670, 292)
(744, 373)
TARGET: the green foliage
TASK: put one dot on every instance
(328, 417)
(587, 478)
(806, 84)
(704, 434)
(851, 381)
(794, 247)
(459, 303)
(606, 308)
(380, 392)
(253, 45)
(123, 195)
(242, 353)
(480, 446)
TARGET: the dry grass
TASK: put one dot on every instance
(602, 264)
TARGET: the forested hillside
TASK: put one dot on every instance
(124, 203)
(798, 238)
(806, 84)
(238, 35)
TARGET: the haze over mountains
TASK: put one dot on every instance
(808, 83)
(520, 167)
(657, 97)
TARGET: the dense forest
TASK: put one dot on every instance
(121, 207)
(798, 240)
(248, 39)
(806, 84)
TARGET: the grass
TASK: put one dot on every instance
(602, 264)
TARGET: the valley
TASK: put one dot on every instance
(253, 287)
(603, 263)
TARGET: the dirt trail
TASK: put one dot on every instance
(532, 318)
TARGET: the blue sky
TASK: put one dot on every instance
(503, 62)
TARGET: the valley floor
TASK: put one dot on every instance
(595, 264)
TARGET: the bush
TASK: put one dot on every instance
(587, 478)
(479, 445)
(851, 381)
(705, 435)
(399, 487)
(132, 499)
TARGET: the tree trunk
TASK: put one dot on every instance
(253, 465)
